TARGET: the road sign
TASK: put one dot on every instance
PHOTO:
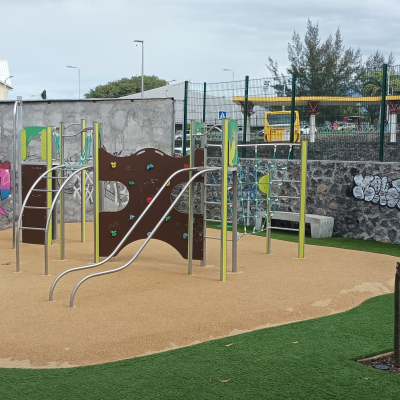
(222, 115)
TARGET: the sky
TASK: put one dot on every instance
(183, 39)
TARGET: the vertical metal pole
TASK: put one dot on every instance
(191, 202)
(246, 95)
(303, 197)
(19, 160)
(62, 200)
(96, 190)
(268, 229)
(224, 198)
(83, 186)
(234, 220)
(204, 101)
(185, 107)
(142, 68)
(292, 108)
(383, 114)
(13, 175)
(49, 184)
(204, 196)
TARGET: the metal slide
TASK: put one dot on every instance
(201, 170)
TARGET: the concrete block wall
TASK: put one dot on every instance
(128, 126)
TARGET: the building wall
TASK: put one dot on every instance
(128, 126)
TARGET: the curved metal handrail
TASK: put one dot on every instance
(49, 216)
(123, 239)
(25, 201)
(203, 171)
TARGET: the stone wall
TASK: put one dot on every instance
(363, 197)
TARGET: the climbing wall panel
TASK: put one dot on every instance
(143, 174)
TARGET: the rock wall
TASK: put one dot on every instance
(363, 197)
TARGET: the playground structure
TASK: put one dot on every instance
(150, 175)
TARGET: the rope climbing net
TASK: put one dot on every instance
(259, 189)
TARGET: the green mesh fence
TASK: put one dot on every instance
(341, 115)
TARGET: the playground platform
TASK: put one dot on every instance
(154, 306)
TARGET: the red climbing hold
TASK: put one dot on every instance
(149, 199)
(185, 165)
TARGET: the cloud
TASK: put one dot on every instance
(184, 39)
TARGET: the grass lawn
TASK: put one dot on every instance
(306, 360)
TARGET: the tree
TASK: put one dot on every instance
(43, 95)
(125, 87)
(322, 68)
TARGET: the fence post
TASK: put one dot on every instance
(246, 96)
(292, 107)
(185, 119)
(204, 101)
(383, 112)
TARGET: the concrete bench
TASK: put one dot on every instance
(321, 225)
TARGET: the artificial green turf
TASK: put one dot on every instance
(343, 243)
(263, 364)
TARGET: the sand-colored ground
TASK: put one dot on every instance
(153, 305)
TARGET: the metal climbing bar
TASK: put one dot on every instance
(115, 251)
(162, 219)
(19, 227)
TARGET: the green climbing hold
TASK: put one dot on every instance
(113, 233)
(131, 183)
(168, 218)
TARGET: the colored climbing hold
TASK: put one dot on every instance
(131, 183)
(148, 234)
(113, 165)
(168, 218)
(131, 217)
(169, 183)
(150, 166)
(185, 235)
(113, 233)
(149, 199)
(185, 165)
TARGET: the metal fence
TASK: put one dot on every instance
(349, 116)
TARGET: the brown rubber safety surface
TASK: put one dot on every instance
(153, 305)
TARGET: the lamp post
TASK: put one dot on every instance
(233, 73)
(79, 77)
(141, 41)
(5, 86)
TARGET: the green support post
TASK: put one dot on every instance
(185, 119)
(383, 112)
(292, 108)
(303, 197)
(246, 97)
(204, 101)
(96, 191)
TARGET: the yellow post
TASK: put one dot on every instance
(83, 187)
(267, 189)
(303, 193)
(96, 191)
(49, 185)
(224, 198)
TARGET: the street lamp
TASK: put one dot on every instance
(5, 86)
(141, 41)
(79, 77)
(233, 73)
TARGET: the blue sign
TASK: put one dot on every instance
(222, 115)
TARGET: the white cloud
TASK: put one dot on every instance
(184, 39)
